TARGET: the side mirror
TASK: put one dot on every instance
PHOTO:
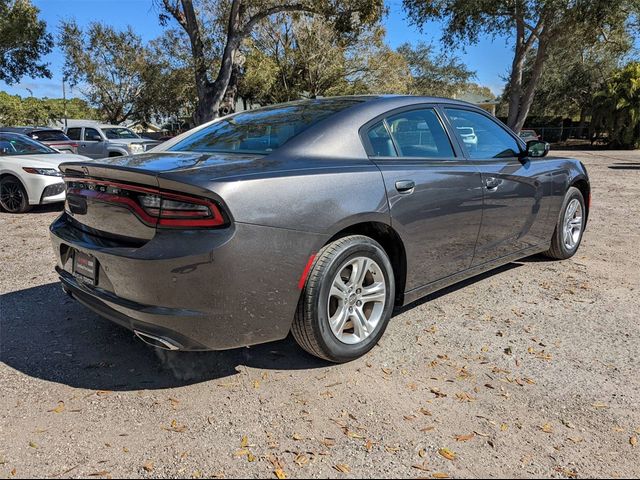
(537, 148)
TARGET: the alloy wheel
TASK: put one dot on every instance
(356, 300)
(11, 196)
(572, 224)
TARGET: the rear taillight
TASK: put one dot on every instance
(152, 206)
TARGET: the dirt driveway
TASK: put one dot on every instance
(531, 370)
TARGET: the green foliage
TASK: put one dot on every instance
(436, 74)
(109, 66)
(30, 111)
(616, 108)
(290, 57)
(23, 41)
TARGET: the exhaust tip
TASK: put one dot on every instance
(157, 342)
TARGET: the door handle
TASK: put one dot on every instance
(492, 183)
(405, 186)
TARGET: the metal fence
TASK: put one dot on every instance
(561, 134)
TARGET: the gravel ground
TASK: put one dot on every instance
(528, 371)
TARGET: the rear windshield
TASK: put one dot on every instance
(263, 130)
(49, 136)
(13, 144)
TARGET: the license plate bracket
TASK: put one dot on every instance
(85, 267)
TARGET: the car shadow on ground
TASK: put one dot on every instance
(46, 334)
(625, 166)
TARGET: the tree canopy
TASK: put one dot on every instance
(23, 42)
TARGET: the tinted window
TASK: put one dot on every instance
(419, 133)
(73, 133)
(116, 133)
(49, 136)
(11, 144)
(487, 140)
(263, 130)
(91, 134)
(380, 141)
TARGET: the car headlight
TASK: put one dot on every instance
(51, 172)
(136, 148)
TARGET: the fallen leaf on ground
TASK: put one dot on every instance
(440, 475)
(464, 438)
(446, 453)
(600, 405)
(341, 467)
(633, 441)
(59, 408)
(547, 428)
(102, 473)
(279, 473)
(421, 466)
(148, 466)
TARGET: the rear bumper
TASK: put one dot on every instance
(201, 289)
(128, 314)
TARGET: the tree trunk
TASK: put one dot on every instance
(228, 104)
(515, 80)
(530, 90)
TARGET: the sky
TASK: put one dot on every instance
(489, 58)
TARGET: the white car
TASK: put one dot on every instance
(469, 137)
(29, 173)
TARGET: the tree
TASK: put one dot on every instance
(290, 57)
(440, 74)
(616, 108)
(109, 66)
(23, 41)
(15, 110)
(238, 19)
(534, 25)
(575, 72)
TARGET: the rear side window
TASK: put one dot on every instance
(380, 140)
(49, 136)
(419, 133)
(482, 137)
(73, 133)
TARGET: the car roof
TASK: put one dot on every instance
(26, 130)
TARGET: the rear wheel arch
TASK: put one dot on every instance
(392, 244)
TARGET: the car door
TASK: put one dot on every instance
(434, 193)
(513, 185)
(92, 144)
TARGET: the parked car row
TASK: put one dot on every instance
(30, 157)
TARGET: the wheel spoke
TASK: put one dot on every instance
(373, 293)
(360, 323)
(339, 320)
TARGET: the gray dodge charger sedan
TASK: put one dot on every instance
(316, 217)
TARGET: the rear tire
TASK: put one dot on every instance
(13, 196)
(569, 228)
(347, 300)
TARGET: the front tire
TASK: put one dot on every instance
(13, 196)
(570, 227)
(347, 300)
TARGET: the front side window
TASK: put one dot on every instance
(482, 137)
(92, 135)
(419, 133)
(21, 145)
(264, 130)
(118, 133)
(74, 133)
